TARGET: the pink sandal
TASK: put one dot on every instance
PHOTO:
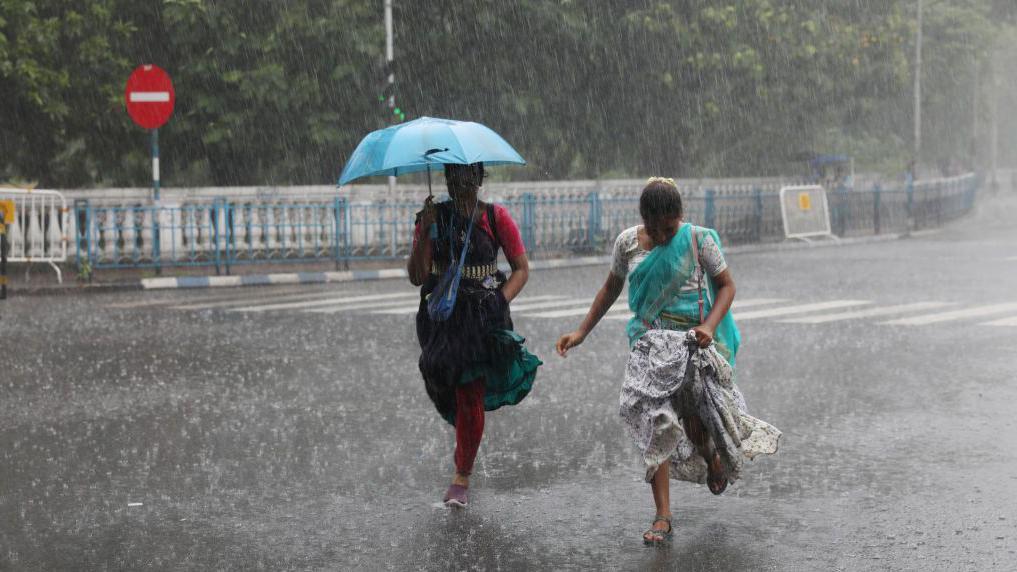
(456, 496)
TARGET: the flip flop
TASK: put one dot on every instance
(655, 537)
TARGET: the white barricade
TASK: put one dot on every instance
(806, 212)
(40, 229)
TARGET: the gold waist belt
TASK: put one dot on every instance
(675, 321)
(470, 272)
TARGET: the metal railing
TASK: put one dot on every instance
(38, 232)
(584, 220)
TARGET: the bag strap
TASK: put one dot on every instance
(698, 271)
(466, 243)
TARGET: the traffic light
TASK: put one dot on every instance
(387, 97)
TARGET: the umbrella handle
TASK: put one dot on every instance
(430, 194)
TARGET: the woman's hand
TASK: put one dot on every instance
(569, 341)
(704, 335)
(428, 214)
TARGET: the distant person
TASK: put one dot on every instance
(471, 360)
(689, 424)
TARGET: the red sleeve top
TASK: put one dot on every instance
(511, 241)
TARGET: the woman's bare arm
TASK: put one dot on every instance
(520, 274)
(419, 264)
(606, 297)
(721, 304)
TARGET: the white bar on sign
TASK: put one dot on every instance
(149, 96)
(155, 168)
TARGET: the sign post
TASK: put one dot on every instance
(150, 99)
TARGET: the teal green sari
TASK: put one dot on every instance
(655, 292)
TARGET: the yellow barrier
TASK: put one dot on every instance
(6, 212)
(6, 218)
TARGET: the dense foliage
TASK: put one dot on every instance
(280, 92)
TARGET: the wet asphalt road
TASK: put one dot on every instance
(137, 435)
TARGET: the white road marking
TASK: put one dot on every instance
(954, 315)
(252, 301)
(551, 304)
(413, 309)
(321, 302)
(1011, 259)
(623, 307)
(186, 297)
(618, 307)
(867, 313)
(401, 304)
(1004, 322)
(800, 309)
(747, 303)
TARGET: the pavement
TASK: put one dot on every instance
(286, 427)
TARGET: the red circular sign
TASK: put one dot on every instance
(149, 96)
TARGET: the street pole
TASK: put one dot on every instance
(994, 157)
(974, 117)
(389, 56)
(155, 164)
(918, 91)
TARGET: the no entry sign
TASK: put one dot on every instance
(150, 97)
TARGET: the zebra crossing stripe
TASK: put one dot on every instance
(400, 304)
(747, 303)
(867, 313)
(254, 300)
(322, 302)
(1004, 322)
(954, 315)
(550, 304)
(412, 309)
(621, 307)
(618, 307)
(800, 309)
(190, 297)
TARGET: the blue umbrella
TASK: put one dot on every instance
(417, 145)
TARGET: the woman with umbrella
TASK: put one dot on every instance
(470, 358)
(678, 401)
(471, 361)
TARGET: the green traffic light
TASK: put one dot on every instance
(397, 111)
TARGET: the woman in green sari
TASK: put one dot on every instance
(678, 402)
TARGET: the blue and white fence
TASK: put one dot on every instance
(229, 232)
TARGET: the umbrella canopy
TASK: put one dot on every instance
(428, 141)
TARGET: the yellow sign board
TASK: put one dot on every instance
(804, 201)
(6, 212)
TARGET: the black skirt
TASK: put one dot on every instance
(476, 341)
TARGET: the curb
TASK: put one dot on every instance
(386, 274)
(60, 290)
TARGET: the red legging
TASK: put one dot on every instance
(469, 424)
